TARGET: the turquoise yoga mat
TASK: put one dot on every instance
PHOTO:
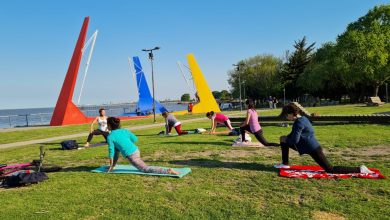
(128, 169)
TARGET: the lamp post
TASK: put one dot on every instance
(387, 94)
(150, 52)
(284, 95)
(243, 82)
(239, 81)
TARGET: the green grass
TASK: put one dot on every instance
(356, 109)
(46, 132)
(226, 182)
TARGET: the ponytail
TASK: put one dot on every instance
(114, 123)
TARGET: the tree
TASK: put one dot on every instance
(225, 95)
(365, 48)
(322, 76)
(295, 66)
(217, 94)
(260, 74)
(185, 97)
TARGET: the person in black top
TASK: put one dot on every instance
(302, 139)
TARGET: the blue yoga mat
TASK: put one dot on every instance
(128, 169)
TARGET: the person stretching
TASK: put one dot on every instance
(172, 122)
(102, 130)
(251, 124)
(303, 140)
(122, 141)
(218, 118)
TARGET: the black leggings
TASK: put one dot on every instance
(259, 136)
(319, 157)
(97, 132)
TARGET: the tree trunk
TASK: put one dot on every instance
(376, 89)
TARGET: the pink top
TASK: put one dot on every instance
(253, 121)
(220, 118)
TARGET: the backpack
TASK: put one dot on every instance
(24, 178)
(69, 145)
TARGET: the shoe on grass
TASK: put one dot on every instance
(281, 166)
(364, 169)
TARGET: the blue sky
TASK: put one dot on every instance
(38, 37)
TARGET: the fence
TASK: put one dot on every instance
(43, 119)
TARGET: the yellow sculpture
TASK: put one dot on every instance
(206, 100)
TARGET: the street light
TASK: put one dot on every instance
(150, 51)
(243, 82)
(239, 80)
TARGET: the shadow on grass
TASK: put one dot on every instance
(222, 164)
(79, 169)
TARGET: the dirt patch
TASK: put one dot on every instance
(380, 150)
(369, 154)
(321, 215)
(232, 153)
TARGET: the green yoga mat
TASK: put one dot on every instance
(128, 169)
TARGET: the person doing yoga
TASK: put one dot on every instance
(303, 140)
(218, 118)
(251, 124)
(172, 122)
(102, 130)
(123, 141)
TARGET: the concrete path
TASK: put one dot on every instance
(46, 140)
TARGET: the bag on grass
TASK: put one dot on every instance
(24, 178)
(69, 145)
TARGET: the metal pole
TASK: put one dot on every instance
(244, 90)
(154, 100)
(284, 95)
(387, 94)
(27, 120)
(239, 82)
(9, 120)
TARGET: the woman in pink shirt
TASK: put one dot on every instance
(218, 118)
(252, 125)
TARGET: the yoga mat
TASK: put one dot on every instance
(92, 145)
(128, 169)
(317, 172)
(175, 134)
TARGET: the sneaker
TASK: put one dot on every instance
(364, 169)
(281, 166)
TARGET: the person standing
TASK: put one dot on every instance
(270, 102)
(275, 102)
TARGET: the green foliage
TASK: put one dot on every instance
(225, 95)
(217, 94)
(365, 48)
(260, 74)
(295, 66)
(185, 97)
(357, 64)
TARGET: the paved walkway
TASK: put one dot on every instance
(46, 140)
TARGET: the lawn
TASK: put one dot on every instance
(225, 183)
(46, 132)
